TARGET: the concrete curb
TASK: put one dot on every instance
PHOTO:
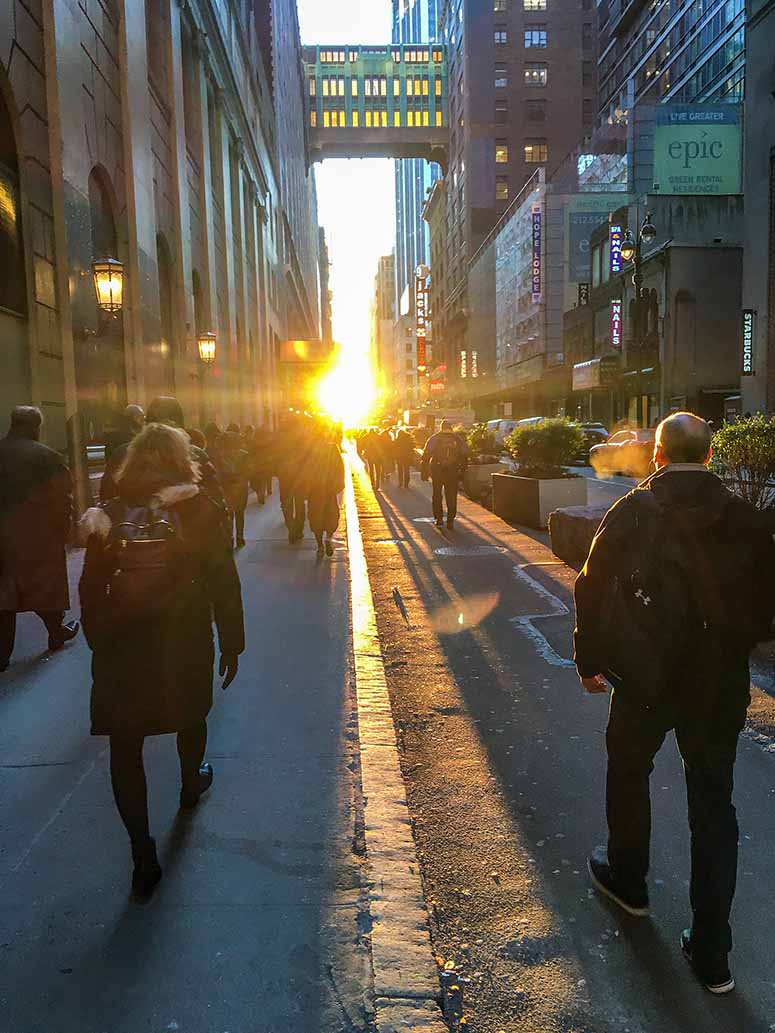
(406, 981)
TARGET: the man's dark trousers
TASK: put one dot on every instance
(707, 732)
(51, 618)
(404, 473)
(294, 508)
(445, 484)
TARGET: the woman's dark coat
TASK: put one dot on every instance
(154, 676)
(326, 482)
(35, 514)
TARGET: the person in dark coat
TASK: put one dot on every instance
(115, 449)
(152, 666)
(326, 483)
(166, 409)
(35, 516)
(292, 452)
(372, 456)
(404, 451)
(444, 461)
(681, 666)
(232, 468)
(261, 448)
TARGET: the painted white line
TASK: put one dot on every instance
(525, 623)
(402, 954)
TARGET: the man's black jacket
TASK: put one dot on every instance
(734, 549)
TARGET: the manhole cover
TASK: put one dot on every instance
(474, 550)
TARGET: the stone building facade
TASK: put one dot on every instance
(146, 131)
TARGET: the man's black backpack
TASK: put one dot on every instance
(679, 587)
(146, 552)
(447, 453)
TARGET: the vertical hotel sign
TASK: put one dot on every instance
(421, 318)
(535, 269)
(749, 317)
(616, 324)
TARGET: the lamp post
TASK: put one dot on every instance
(632, 251)
(207, 347)
(108, 275)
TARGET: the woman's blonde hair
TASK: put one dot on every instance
(160, 449)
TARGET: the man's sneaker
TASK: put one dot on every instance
(64, 635)
(604, 882)
(716, 977)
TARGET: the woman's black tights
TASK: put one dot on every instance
(127, 774)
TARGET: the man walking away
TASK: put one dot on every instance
(35, 514)
(293, 458)
(371, 453)
(326, 484)
(404, 449)
(133, 423)
(444, 458)
(676, 591)
(232, 469)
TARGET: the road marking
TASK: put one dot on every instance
(402, 955)
(525, 623)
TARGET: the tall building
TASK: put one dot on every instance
(383, 308)
(414, 21)
(677, 52)
(147, 133)
(522, 88)
(756, 332)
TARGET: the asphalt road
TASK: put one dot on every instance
(256, 927)
(504, 762)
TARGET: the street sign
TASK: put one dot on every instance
(749, 326)
(616, 250)
(616, 324)
(583, 294)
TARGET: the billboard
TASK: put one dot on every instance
(585, 212)
(697, 149)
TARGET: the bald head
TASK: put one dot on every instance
(446, 425)
(26, 421)
(683, 438)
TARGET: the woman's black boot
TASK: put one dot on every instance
(147, 873)
(195, 787)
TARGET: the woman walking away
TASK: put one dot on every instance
(327, 481)
(158, 569)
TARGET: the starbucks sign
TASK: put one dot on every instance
(697, 149)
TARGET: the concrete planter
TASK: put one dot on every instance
(572, 530)
(528, 501)
(477, 479)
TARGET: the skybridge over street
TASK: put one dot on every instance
(370, 102)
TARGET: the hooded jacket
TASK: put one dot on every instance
(730, 565)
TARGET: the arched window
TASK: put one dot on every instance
(103, 226)
(13, 285)
(166, 312)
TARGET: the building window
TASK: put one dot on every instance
(535, 110)
(353, 57)
(438, 56)
(501, 111)
(502, 188)
(535, 152)
(501, 82)
(586, 35)
(396, 54)
(586, 73)
(533, 5)
(535, 74)
(397, 119)
(501, 152)
(396, 87)
(332, 57)
(313, 118)
(501, 37)
(313, 87)
(354, 87)
(535, 38)
(499, 6)
(439, 120)
(437, 86)
(355, 119)
(13, 285)
(587, 110)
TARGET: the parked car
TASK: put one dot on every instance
(628, 452)
(595, 434)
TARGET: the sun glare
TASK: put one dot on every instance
(348, 392)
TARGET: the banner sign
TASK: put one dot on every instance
(463, 365)
(616, 324)
(536, 264)
(421, 313)
(697, 149)
(583, 294)
(749, 325)
(616, 250)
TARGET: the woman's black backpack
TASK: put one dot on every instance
(145, 549)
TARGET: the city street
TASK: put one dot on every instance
(254, 928)
(260, 924)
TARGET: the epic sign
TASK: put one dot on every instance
(697, 149)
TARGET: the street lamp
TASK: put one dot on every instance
(108, 274)
(207, 345)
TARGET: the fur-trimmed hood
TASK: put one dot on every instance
(96, 520)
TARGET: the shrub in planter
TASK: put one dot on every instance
(482, 445)
(542, 450)
(744, 457)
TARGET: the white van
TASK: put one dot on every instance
(501, 429)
